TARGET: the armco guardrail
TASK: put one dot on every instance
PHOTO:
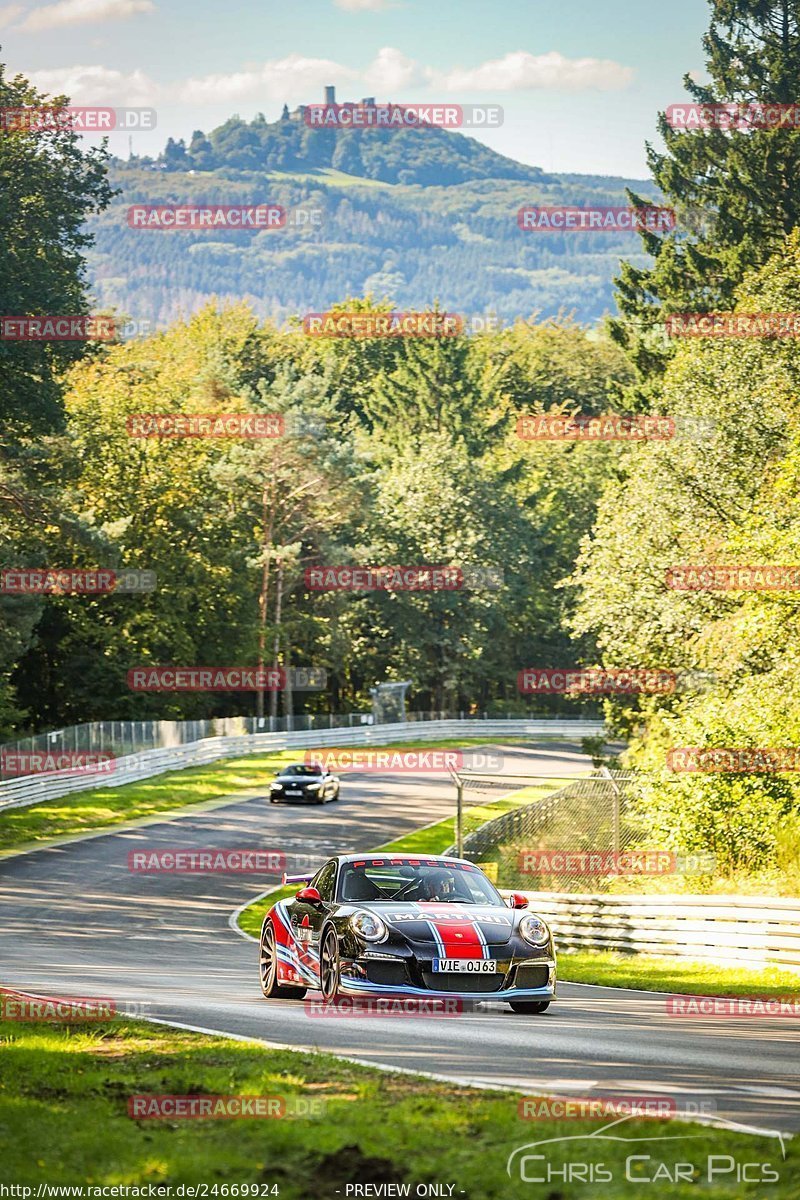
(120, 738)
(33, 789)
(750, 930)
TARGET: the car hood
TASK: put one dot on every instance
(296, 780)
(453, 927)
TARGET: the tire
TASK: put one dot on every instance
(335, 795)
(329, 966)
(268, 969)
(529, 1006)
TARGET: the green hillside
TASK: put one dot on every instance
(413, 215)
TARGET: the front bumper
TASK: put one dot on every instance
(302, 798)
(523, 979)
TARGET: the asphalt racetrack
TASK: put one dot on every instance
(76, 921)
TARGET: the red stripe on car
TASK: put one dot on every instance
(461, 939)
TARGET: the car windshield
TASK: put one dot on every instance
(392, 881)
(301, 769)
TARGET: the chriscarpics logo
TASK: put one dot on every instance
(635, 1154)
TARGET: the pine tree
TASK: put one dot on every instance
(734, 191)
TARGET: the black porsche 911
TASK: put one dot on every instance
(304, 783)
(399, 925)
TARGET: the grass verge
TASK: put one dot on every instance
(678, 976)
(101, 808)
(64, 1120)
(431, 839)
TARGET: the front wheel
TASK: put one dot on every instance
(529, 1006)
(329, 965)
(268, 969)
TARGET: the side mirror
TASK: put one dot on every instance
(518, 900)
(309, 895)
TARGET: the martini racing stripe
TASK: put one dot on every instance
(458, 938)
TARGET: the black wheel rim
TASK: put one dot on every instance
(267, 964)
(329, 969)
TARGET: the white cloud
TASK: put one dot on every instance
(391, 70)
(521, 71)
(297, 79)
(291, 78)
(363, 5)
(97, 85)
(9, 13)
(80, 12)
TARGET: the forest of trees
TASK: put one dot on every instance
(459, 243)
(405, 451)
(428, 155)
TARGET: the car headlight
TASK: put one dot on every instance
(534, 930)
(368, 926)
(313, 787)
(277, 787)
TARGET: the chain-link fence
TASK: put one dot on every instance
(584, 837)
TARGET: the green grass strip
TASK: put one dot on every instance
(64, 1108)
(679, 976)
(104, 807)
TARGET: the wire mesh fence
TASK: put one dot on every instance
(584, 837)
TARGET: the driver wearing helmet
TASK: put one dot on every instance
(438, 885)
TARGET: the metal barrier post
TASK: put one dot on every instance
(460, 820)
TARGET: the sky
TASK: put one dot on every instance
(580, 81)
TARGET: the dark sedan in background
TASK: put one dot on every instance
(304, 783)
